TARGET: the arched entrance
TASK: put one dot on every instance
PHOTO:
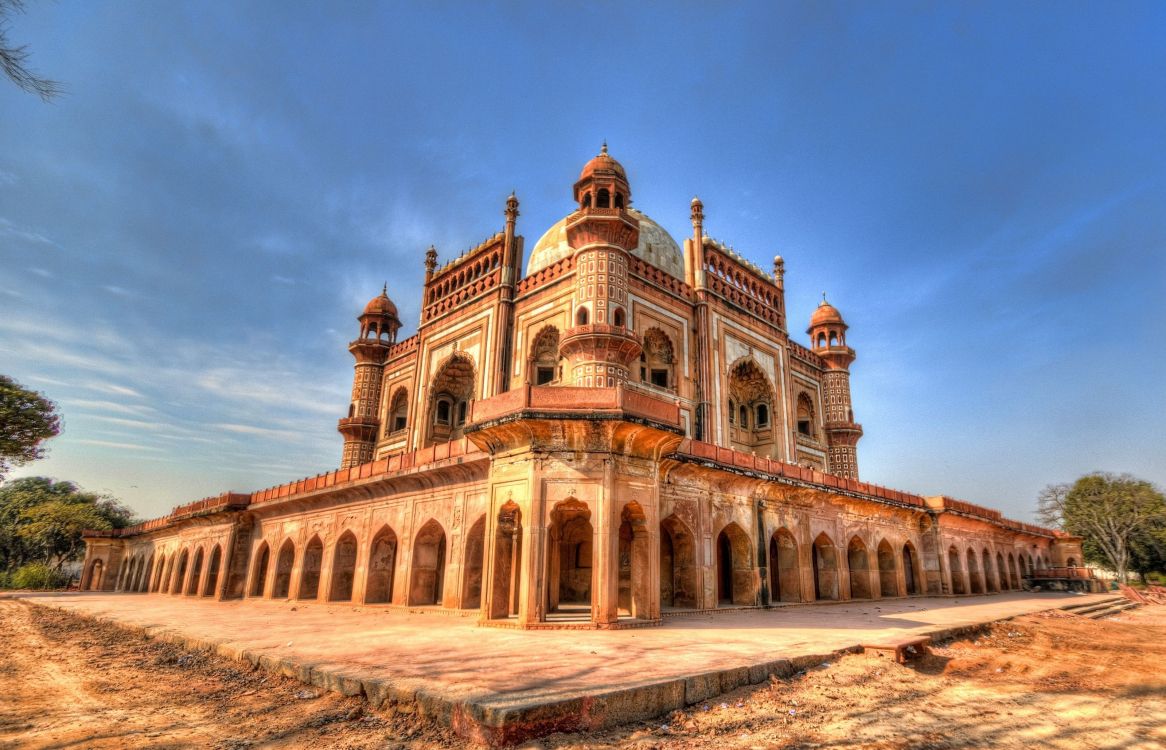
(858, 560)
(975, 580)
(1002, 572)
(156, 575)
(259, 573)
(571, 537)
(734, 567)
(824, 558)
(180, 573)
(888, 574)
(633, 562)
(990, 584)
(1013, 572)
(283, 570)
(507, 562)
(475, 559)
(212, 571)
(427, 581)
(785, 575)
(343, 568)
(382, 564)
(909, 570)
(310, 569)
(195, 573)
(678, 579)
(147, 572)
(958, 582)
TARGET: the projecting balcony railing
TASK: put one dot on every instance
(567, 400)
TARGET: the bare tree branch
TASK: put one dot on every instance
(13, 59)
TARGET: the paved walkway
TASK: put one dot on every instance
(498, 676)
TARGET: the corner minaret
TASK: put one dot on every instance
(828, 340)
(379, 324)
(602, 235)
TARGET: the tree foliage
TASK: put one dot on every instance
(14, 59)
(41, 521)
(27, 419)
(1119, 517)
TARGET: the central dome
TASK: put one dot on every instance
(655, 247)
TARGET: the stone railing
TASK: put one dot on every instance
(571, 399)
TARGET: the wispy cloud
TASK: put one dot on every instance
(122, 446)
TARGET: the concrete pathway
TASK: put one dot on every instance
(501, 685)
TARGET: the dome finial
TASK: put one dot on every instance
(603, 150)
(385, 289)
(823, 302)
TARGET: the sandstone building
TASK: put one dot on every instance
(625, 428)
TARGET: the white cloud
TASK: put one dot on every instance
(112, 444)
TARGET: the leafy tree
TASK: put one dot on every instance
(13, 59)
(27, 419)
(1113, 514)
(42, 520)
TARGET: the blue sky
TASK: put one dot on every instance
(187, 234)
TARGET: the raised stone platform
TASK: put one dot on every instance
(500, 686)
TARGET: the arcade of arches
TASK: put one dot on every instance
(628, 429)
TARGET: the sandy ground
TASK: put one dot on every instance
(1052, 680)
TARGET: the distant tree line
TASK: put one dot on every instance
(41, 519)
(1121, 520)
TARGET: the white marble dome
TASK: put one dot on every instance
(656, 247)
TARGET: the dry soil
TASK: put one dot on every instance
(1050, 680)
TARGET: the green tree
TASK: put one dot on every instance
(14, 59)
(41, 521)
(1112, 513)
(27, 419)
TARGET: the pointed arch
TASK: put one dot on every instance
(569, 562)
(634, 594)
(195, 573)
(214, 562)
(507, 561)
(824, 559)
(146, 573)
(785, 574)
(990, 584)
(807, 416)
(96, 571)
(734, 567)
(180, 573)
(284, 564)
(159, 567)
(544, 356)
(975, 579)
(343, 568)
(658, 359)
(398, 411)
(959, 585)
(427, 575)
(382, 567)
(679, 585)
(858, 560)
(1002, 573)
(473, 564)
(912, 576)
(310, 569)
(450, 393)
(259, 570)
(751, 394)
(888, 569)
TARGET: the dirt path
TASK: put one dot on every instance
(1053, 680)
(74, 683)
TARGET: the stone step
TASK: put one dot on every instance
(1112, 610)
(1087, 607)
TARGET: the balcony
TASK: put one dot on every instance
(571, 401)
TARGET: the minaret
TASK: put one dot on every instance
(695, 277)
(379, 324)
(602, 234)
(828, 340)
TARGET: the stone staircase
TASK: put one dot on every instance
(1109, 606)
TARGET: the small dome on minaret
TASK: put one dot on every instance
(381, 304)
(603, 183)
(825, 314)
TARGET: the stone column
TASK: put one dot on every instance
(605, 561)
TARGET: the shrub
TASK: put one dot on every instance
(38, 576)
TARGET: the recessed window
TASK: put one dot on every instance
(762, 415)
(804, 426)
(462, 407)
(660, 378)
(442, 414)
(544, 375)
